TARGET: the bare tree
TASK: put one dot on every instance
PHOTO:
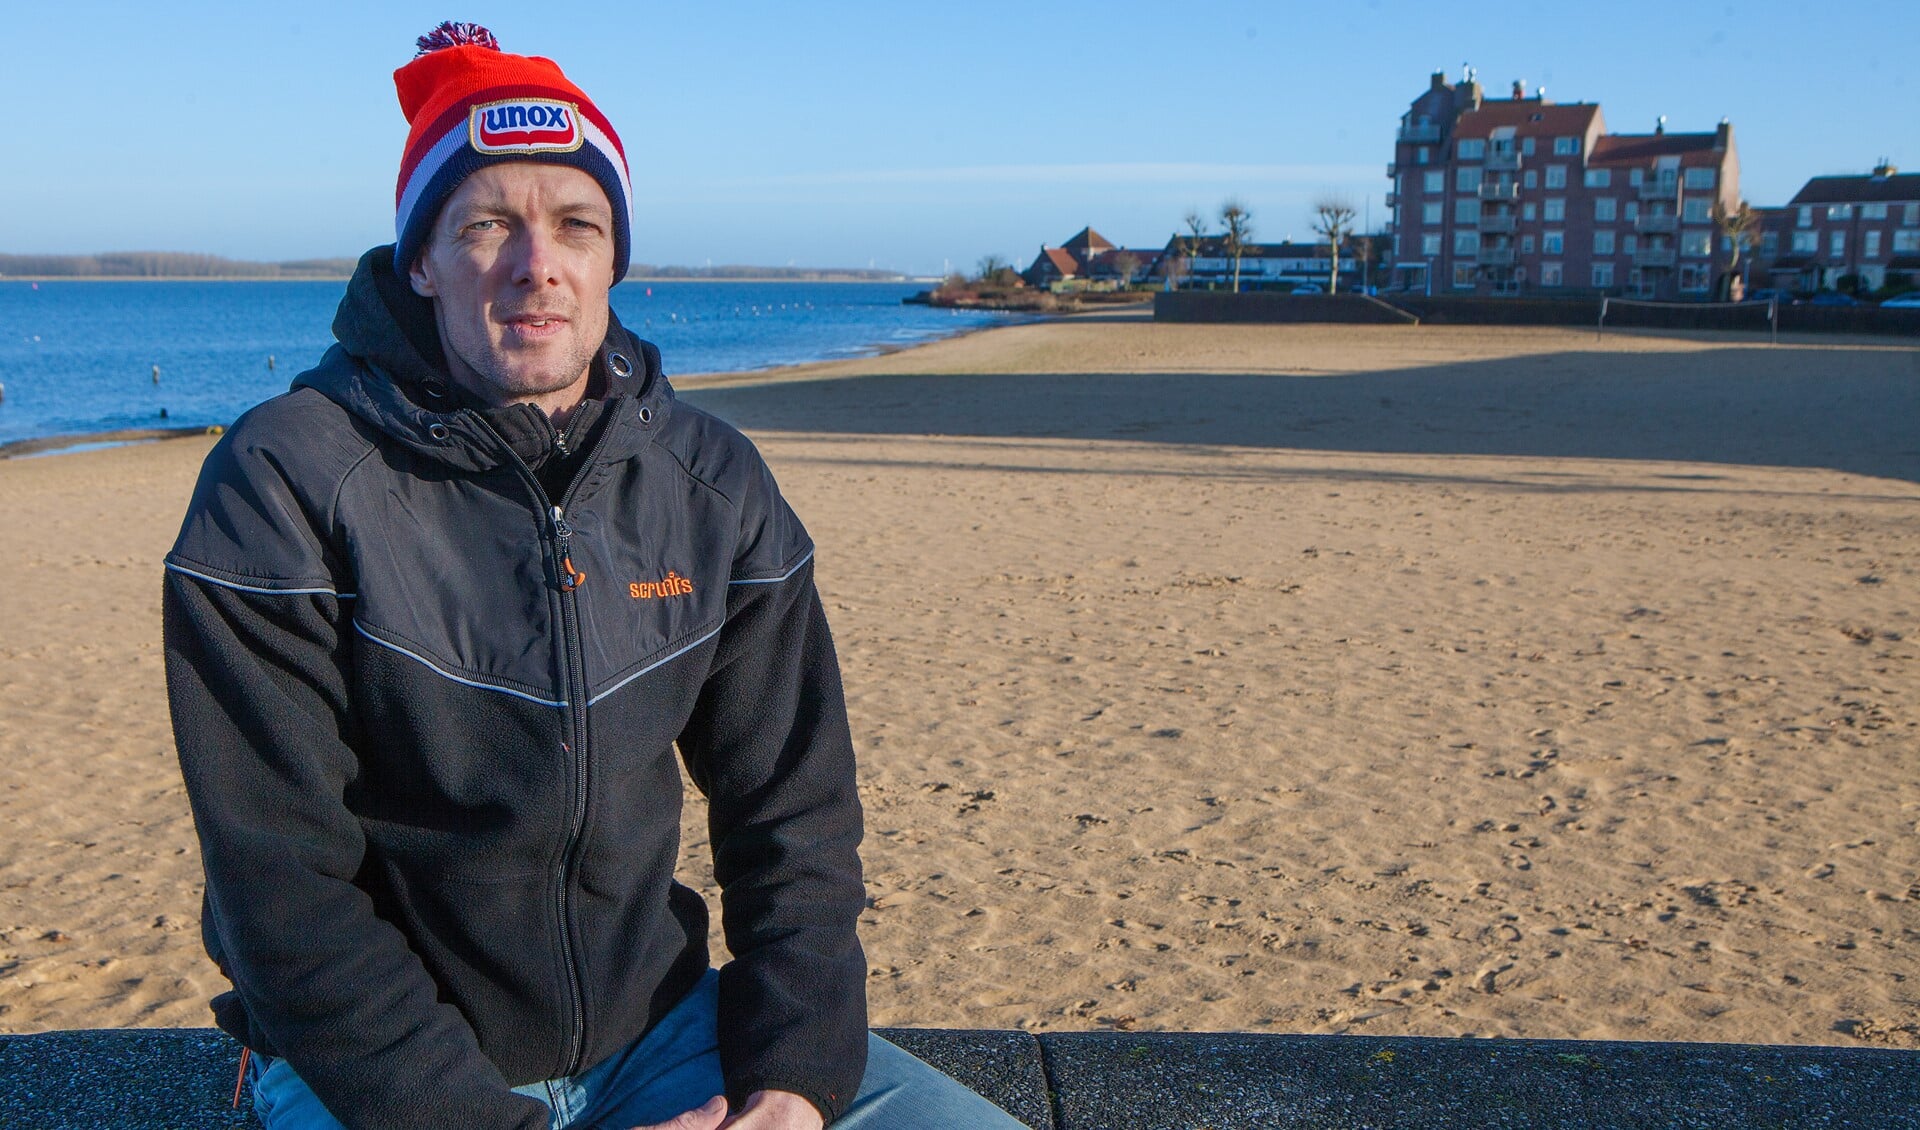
(1741, 227)
(1333, 218)
(1239, 224)
(1125, 264)
(1196, 235)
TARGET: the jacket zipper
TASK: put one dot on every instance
(573, 691)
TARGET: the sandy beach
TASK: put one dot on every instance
(1386, 680)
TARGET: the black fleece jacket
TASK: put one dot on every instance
(433, 771)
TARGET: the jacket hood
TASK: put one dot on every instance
(389, 370)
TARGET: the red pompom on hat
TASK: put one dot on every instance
(471, 104)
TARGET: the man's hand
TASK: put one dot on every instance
(765, 1110)
(775, 1110)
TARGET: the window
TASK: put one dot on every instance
(1526, 146)
(1696, 243)
(1529, 179)
(1430, 244)
(1602, 275)
(1472, 149)
(1806, 242)
(1870, 245)
(1603, 243)
(1556, 176)
(1565, 146)
(1628, 243)
(1769, 243)
(1529, 211)
(1839, 211)
(1806, 215)
(1430, 213)
(1910, 216)
(1550, 274)
(1873, 211)
(1599, 178)
(1466, 211)
(1906, 241)
(1554, 242)
(1424, 156)
(1694, 276)
(1631, 211)
(1697, 178)
(1635, 176)
(1433, 180)
(1467, 179)
(1466, 243)
(1696, 210)
(1463, 274)
(1556, 208)
(1837, 245)
(1603, 209)
(1526, 245)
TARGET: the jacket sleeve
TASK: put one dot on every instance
(257, 660)
(769, 744)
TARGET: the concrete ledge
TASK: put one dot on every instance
(149, 1079)
(1268, 307)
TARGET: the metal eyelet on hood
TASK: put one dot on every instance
(619, 364)
(646, 415)
(439, 432)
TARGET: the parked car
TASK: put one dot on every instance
(1908, 301)
(1309, 288)
(1826, 298)
(1766, 294)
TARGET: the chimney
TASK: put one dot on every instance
(1660, 125)
(1519, 89)
(1439, 81)
(1723, 136)
(1884, 169)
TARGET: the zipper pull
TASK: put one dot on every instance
(570, 578)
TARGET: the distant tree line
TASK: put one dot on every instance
(168, 265)
(188, 265)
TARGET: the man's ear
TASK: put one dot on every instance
(421, 275)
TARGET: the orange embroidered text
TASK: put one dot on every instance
(673, 584)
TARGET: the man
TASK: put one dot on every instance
(435, 623)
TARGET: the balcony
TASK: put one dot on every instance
(1507, 161)
(1392, 199)
(1649, 223)
(1497, 222)
(1499, 190)
(1653, 257)
(1426, 133)
(1659, 190)
(1496, 256)
(1393, 170)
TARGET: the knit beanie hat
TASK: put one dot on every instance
(470, 105)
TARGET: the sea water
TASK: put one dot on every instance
(78, 357)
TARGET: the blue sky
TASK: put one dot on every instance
(908, 136)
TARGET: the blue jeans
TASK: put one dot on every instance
(673, 1069)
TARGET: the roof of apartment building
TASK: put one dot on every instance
(1642, 148)
(1528, 116)
(1866, 188)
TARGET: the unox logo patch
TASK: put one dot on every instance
(525, 125)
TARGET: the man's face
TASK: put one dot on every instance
(519, 264)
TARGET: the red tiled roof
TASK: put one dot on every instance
(1693, 149)
(1086, 239)
(1862, 189)
(1062, 260)
(1527, 116)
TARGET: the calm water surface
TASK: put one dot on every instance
(78, 357)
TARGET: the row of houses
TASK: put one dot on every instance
(1522, 194)
(1090, 259)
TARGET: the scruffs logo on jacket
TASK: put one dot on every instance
(525, 125)
(673, 584)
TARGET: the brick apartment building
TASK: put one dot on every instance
(1867, 226)
(1521, 195)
